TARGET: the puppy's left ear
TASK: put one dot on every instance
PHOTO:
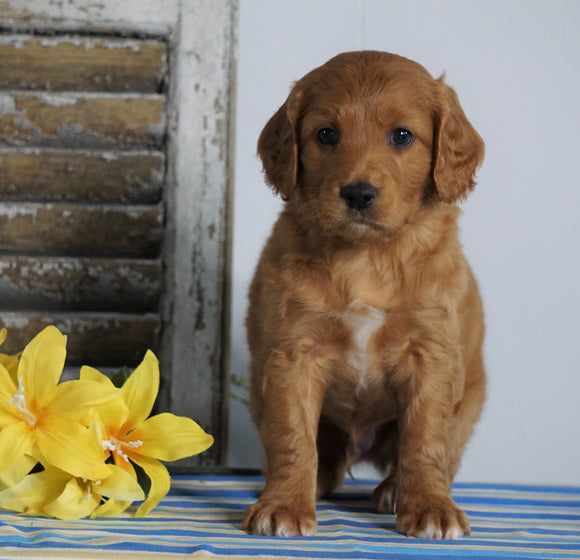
(458, 149)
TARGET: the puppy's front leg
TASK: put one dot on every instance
(424, 505)
(287, 417)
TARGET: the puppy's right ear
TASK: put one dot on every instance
(278, 147)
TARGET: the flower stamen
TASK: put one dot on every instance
(116, 446)
(19, 401)
(88, 485)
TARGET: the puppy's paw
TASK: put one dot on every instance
(432, 518)
(281, 520)
(384, 498)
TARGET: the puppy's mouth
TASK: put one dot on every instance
(361, 221)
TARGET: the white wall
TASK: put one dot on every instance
(515, 66)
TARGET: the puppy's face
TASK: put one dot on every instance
(365, 160)
(364, 141)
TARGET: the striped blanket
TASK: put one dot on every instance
(201, 517)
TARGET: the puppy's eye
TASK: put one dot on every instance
(327, 137)
(401, 138)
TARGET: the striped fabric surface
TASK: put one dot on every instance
(201, 517)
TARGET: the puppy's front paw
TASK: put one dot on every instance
(432, 518)
(282, 520)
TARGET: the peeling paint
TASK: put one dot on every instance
(70, 283)
(19, 322)
(15, 41)
(109, 156)
(83, 176)
(12, 211)
(56, 100)
(82, 120)
(8, 105)
(12, 9)
(89, 43)
(63, 63)
(100, 339)
(81, 230)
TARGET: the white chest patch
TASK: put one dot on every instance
(364, 321)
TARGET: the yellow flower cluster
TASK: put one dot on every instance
(72, 449)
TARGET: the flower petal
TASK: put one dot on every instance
(12, 476)
(11, 365)
(72, 503)
(16, 440)
(7, 392)
(120, 485)
(71, 447)
(160, 484)
(91, 374)
(140, 390)
(169, 437)
(7, 386)
(41, 364)
(34, 491)
(112, 418)
(72, 397)
(111, 508)
(125, 465)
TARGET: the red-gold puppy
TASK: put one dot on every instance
(365, 324)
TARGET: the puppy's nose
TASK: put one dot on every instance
(358, 196)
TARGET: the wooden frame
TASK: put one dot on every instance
(201, 35)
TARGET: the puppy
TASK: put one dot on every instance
(365, 324)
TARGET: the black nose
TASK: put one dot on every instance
(358, 196)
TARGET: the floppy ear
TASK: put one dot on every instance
(278, 147)
(458, 149)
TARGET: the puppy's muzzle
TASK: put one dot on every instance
(358, 196)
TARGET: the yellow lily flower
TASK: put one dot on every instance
(8, 361)
(130, 436)
(55, 493)
(40, 416)
(13, 475)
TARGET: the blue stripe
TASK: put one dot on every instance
(573, 490)
(343, 553)
(520, 502)
(204, 514)
(535, 515)
(363, 542)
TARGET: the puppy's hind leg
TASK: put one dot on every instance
(332, 445)
(384, 456)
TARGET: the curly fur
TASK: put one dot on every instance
(365, 326)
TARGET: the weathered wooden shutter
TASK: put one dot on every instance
(114, 188)
(82, 172)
